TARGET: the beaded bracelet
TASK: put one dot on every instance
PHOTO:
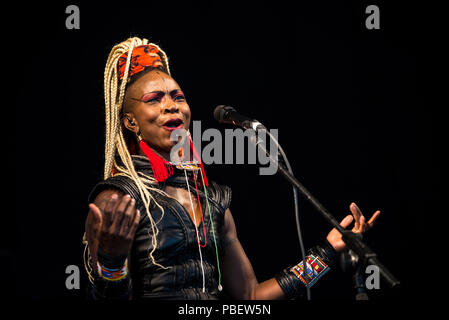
(316, 268)
(113, 274)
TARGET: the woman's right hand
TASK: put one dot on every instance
(113, 227)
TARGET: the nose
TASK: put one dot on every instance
(169, 106)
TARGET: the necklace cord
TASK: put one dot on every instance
(213, 232)
(196, 230)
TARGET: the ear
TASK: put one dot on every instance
(130, 122)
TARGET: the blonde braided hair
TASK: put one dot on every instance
(114, 92)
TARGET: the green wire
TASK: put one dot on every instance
(213, 231)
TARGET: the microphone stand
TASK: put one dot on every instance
(359, 284)
(349, 262)
(353, 242)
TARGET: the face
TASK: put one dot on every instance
(157, 106)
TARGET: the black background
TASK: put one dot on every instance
(341, 96)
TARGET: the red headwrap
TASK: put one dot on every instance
(142, 56)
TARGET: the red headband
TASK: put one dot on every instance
(142, 56)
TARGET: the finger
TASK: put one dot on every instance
(346, 221)
(363, 225)
(128, 215)
(357, 214)
(133, 216)
(95, 218)
(109, 209)
(119, 213)
(373, 219)
(95, 213)
(93, 223)
(89, 218)
(136, 213)
(135, 223)
(90, 223)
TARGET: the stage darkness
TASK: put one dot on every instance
(340, 95)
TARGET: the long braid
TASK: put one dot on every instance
(115, 140)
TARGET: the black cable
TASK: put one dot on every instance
(296, 205)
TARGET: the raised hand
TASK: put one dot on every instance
(360, 226)
(112, 224)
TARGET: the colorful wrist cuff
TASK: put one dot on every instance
(316, 268)
(113, 274)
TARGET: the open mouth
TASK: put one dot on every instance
(173, 124)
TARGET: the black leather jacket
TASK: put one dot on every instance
(177, 246)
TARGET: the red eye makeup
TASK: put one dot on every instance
(152, 96)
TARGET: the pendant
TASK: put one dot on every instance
(188, 165)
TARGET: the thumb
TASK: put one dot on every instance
(346, 221)
(96, 213)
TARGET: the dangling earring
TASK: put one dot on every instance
(162, 169)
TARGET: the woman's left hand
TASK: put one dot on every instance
(360, 226)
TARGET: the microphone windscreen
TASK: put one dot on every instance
(219, 112)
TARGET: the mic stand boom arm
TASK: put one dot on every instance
(352, 241)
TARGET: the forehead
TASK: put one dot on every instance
(154, 81)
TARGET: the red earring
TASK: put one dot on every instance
(162, 169)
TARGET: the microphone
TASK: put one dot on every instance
(227, 114)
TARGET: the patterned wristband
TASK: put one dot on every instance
(316, 268)
(113, 274)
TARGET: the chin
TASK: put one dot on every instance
(167, 146)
